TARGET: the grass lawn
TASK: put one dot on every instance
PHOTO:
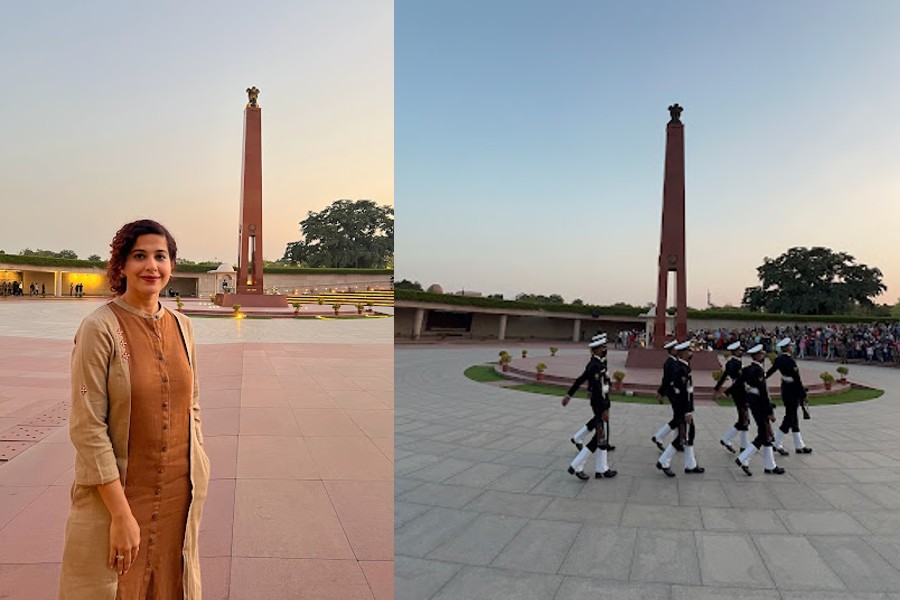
(851, 395)
(555, 390)
(486, 373)
(483, 373)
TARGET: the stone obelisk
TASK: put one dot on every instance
(250, 264)
(250, 290)
(671, 245)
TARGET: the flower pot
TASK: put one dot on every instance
(540, 376)
(617, 386)
(842, 380)
(827, 385)
(504, 367)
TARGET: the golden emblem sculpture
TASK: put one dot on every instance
(253, 94)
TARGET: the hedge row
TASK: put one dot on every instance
(625, 311)
(42, 261)
(713, 314)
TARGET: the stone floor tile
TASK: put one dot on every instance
(860, 567)
(267, 522)
(540, 547)
(731, 559)
(794, 564)
(298, 578)
(423, 533)
(353, 458)
(665, 556)
(600, 551)
(380, 575)
(498, 584)
(365, 509)
(417, 579)
(481, 541)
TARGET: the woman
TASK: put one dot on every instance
(141, 473)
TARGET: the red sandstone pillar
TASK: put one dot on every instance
(250, 256)
(672, 239)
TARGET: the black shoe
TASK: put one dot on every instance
(579, 474)
(805, 450)
(741, 449)
(609, 473)
(666, 470)
(610, 448)
(728, 446)
(658, 443)
(775, 471)
(695, 470)
(782, 451)
(743, 467)
(678, 446)
(578, 445)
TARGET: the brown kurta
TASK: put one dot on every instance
(158, 486)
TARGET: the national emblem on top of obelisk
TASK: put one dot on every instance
(253, 94)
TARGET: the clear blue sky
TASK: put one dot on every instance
(530, 137)
(121, 110)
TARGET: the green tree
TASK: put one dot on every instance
(94, 257)
(348, 234)
(406, 284)
(814, 281)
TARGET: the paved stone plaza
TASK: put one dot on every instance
(484, 508)
(298, 425)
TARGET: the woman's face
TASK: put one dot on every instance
(148, 266)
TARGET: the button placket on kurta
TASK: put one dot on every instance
(158, 484)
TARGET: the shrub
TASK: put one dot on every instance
(541, 367)
(826, 377)
(553, 350)
(619, 375)
(716, 374)
(843, 370)
(524, 353)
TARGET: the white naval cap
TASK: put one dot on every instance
(684, 345)
(733, 346)
(671, 344)
(755, 349)
(597, 343)
(599, 336)
(784, 342)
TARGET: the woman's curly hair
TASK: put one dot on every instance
(122, 245)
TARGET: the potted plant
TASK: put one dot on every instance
(337, 307)
(369, 306)
(360, 307)
(237, 309)
(553, 350)
(541, 367)
(618, 376)
(179, 302)
(296, 304)
(771, 356)
(524, 353)
(843, 372)
(320, 300)
(827, 378)
(504, 360)
(212, 299)
(716, 374)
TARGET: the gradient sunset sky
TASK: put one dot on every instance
(116, 111)
(530, 139)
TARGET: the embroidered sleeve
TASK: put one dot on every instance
(95, 461)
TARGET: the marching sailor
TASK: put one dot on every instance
(598, 389)
(578, 437)
(793, 395)
(763, 411)
(733, 368)
(663, 390)
(681, 395)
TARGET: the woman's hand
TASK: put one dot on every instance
(124, 542)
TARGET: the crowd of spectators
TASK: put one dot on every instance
(859, 342)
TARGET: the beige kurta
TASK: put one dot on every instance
(99, 429)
